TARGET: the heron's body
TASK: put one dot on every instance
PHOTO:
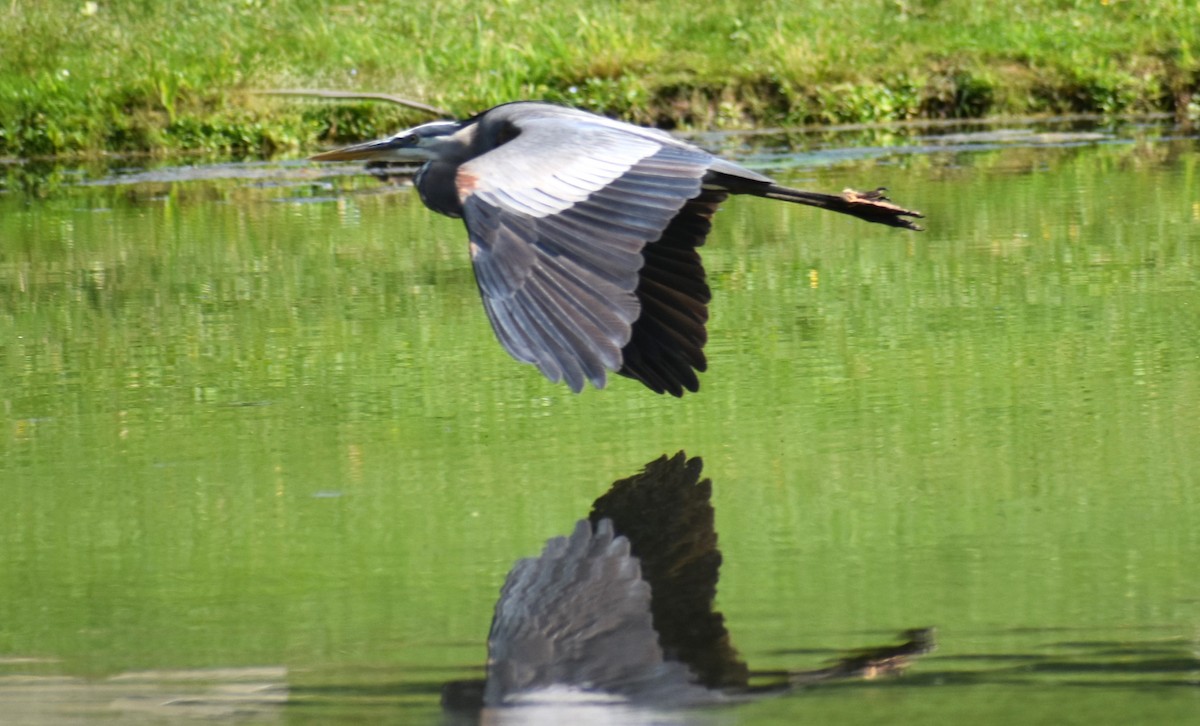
(584, 233)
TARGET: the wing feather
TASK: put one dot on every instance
(558, 340)
(666, 346)
(580, 296)
(552, 165)
(559, 219)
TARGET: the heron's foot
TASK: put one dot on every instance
(889, 660)
(874, 206)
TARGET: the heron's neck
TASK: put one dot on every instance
(435, 182)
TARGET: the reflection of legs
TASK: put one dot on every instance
(888, 660)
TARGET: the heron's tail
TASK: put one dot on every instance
(872, 206)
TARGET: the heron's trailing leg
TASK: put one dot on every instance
(872, 206)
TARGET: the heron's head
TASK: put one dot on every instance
(420, 143)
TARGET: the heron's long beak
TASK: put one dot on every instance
(390, 149)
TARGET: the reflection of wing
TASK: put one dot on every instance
(666, 514)
(578, 616)
(558, 216)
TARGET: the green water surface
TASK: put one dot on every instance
(262, 422)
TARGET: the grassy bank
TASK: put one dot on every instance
(154, 75)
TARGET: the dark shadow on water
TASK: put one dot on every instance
(618, 619)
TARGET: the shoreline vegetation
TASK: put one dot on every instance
(143, 76)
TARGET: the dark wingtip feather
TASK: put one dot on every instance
(666, 346)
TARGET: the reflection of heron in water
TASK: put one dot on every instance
(621, 610)
(584, 230)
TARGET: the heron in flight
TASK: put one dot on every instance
(584, 233)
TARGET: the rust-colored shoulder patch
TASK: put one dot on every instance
(465, 183)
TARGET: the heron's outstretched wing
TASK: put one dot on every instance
(558, 215)
(579, 616)
(666, 348)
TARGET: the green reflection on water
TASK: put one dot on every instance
(252, 424)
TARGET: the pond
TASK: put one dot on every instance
(264, 461)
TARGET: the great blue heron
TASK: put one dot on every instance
(583, 233)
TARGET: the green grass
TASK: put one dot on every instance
(80, 77)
